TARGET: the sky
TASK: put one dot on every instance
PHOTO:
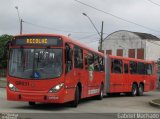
(65, 17)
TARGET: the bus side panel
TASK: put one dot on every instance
(151, 80)
(154, 77)
(116, 78)
(116, 83)
(69, 86)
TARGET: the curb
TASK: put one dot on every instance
(154, 104)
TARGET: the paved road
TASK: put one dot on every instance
(114, 104)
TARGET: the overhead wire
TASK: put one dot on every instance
(117, 17)
(46, 27)
(154, 3)
(88, 36)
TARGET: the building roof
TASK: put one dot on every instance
(146, 36)
(142, 36)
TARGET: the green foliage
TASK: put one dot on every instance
(3, 40)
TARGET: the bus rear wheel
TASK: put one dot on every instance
(75, 102)
(134, 90)
(140, 90)
(31, 103)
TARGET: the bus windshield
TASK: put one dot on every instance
(35, 63)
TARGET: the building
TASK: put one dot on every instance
(132, 44)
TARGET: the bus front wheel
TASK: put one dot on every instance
(75, 102)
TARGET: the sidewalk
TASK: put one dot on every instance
(155, 102)
(3, 82)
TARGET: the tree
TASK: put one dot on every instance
(3, 40)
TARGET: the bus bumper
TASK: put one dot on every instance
(42, 97)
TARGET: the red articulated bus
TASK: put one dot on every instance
(128, 75)
(52, 68)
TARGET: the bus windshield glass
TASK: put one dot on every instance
(35, 63)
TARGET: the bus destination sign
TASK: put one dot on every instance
(37, 40)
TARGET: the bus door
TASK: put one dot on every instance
(69, 77)
(126, 76)
(116, 76)
(89, 73)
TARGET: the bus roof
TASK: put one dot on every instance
(131, 59)
(66, 39)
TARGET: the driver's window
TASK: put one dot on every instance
(68, 57)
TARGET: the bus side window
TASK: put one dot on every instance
(68, 57)
(133, 67)
(90, 61)
(78, 57)
(141, 68)
(116, 66)
(149, 69)
(126, 68)
(101, 63)
(96, 63)
(86, 61)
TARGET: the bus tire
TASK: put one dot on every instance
(140, 90)
(75, 102)
(100, 96)
(134, 90)
(31, 103)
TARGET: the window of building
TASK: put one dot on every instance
(108, 52)
(119, 52)
(131, 53)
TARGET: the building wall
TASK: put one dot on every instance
(128, 41)
(152, 50)
(123, 40)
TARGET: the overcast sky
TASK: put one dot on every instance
(65, 17)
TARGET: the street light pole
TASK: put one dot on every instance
(91, 23)
(100, 34)
(20, 20)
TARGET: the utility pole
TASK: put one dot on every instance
(101, 39)
(21, 26)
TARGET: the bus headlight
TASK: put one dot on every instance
(56, 88)
(12, 87)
